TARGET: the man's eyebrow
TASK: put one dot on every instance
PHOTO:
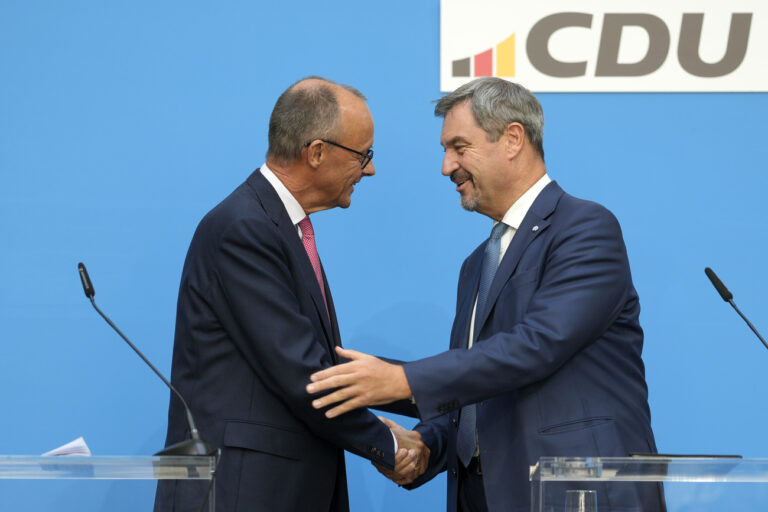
(456, 140)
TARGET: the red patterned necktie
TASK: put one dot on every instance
(308, 239)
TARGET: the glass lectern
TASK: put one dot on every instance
(20, 467)
(686, 483)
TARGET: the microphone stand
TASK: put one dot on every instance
(189, 447)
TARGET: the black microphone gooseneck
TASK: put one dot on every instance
(728, 297)
(195, 446)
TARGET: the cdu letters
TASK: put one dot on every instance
(608, 64)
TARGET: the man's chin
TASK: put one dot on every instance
(469, 203)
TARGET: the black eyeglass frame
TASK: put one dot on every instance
(366, 157)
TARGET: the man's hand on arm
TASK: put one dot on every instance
(364, 381)
(412, 456)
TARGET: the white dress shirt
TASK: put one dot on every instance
(292, 206)
(513, 218)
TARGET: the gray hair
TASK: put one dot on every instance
(495, 103)
(304, 113)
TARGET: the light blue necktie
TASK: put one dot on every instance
(466, 440)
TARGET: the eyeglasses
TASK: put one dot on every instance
(366, 157)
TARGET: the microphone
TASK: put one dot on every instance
(87, 285)
(728, 297)
(191, 447)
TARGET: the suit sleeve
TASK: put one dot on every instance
(582, 291)
(434, 433)
(259, 308)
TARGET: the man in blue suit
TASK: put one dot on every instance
(546, 345)
(255, 319)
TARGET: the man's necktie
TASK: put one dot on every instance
(308, 239)
(466, 439)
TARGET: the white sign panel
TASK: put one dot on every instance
(607, 45)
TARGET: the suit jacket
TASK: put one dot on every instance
(251, 328)
(557, 368)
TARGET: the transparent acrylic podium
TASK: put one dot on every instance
(20, 467)
(700, 484)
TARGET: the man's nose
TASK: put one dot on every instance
(449, 165)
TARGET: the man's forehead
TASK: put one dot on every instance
(461, 114)
(357, 122)
(446, 138)
(456, 123)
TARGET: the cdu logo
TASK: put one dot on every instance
(605, 45)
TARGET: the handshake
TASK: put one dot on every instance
(412, 457)
(365, 381)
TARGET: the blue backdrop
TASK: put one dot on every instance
(123, 123)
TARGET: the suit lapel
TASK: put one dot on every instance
(335, 336)
(534, 223)
(307, 273)
(276, 211)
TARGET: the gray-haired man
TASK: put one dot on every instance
(546, 345)
(255, 318)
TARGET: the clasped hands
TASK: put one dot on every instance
(412, 457)
(367, 380)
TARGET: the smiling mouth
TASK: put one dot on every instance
(460, 178)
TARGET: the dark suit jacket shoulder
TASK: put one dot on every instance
(557, 368)
(251, 328)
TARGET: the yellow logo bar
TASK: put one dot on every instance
(505, 57)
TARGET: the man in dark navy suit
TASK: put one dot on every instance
(255, 319)
(546, 345)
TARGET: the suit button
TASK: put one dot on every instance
(453, 472)
(455, 423)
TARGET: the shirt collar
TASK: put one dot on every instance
(292, 206)
(516, 213)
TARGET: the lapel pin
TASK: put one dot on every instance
(535, 228)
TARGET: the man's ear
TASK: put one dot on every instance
(316, 153)
(514, 139)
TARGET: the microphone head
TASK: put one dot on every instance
(718, 284)
(87, 286)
